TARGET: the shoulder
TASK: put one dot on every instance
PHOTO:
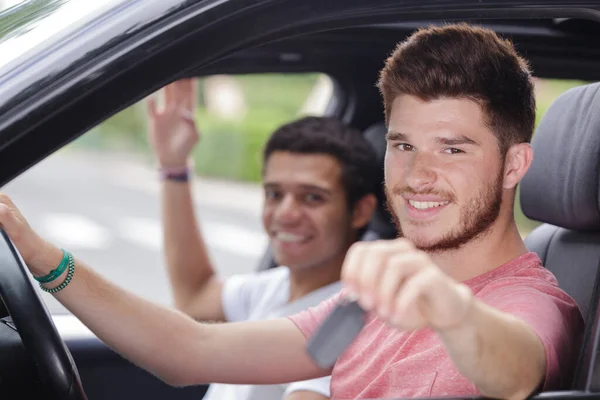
(525, 271)
(524, 282)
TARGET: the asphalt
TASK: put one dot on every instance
(105, 208)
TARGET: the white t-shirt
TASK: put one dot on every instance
(261, 296)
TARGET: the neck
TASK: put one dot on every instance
(501, 243)
(306, 280)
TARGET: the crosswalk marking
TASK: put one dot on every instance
(144, 232)
(220, 236)
(74, 231)
(233, 239)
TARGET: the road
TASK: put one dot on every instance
(106, 210)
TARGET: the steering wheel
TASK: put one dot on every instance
(52, 357)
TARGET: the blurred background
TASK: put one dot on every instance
(99, 196)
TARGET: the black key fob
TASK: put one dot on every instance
(336, 333)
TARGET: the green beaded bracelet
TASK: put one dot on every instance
(55, 273)
(70, 273)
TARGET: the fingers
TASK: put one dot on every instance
(180, 97)
(411, 306)
(169, 96)
(152, 107)
(404, 286)
(9, 217)
(5, 215)
(395, 280)
(4, 199)
(352, 265)
(188, 90)
(374, 265)
(365, 267)
(401, 267)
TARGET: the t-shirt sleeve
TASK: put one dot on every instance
(309, 320)
(242, 293)
(552, 315)
(319, 385)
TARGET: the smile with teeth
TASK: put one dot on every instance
(424, 205)
(287, 237)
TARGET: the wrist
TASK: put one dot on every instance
(174, 162)
(176, 172)
(47, 259)
(466, 314)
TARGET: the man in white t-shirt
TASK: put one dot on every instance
(320, 178)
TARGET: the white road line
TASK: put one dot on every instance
(74, 231)
(77, 231)
(234, 239)
(229, 238)
(144, 232)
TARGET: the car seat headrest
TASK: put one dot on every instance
(562, 186)
(381, 222)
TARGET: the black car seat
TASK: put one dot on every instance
(562, 190)
(381, 226)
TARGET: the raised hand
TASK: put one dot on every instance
(172, 130)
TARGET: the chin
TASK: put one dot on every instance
(290, 261)
(422, 240)
(282, 259)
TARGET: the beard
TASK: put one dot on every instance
(476, 216)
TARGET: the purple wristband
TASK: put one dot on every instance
(177, 174)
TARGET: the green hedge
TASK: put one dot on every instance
(233, 150)
(228, 149)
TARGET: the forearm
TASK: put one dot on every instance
(499, 353)
(177, 349)
(187, 257)
(153, 337)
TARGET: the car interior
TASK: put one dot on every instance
(561, 190)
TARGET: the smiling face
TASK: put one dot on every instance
(305, 212)
(443, 172)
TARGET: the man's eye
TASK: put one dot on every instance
(272, 194)
(313, 198)
(453, 151)
(404, 147)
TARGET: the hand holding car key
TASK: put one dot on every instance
(398, 283)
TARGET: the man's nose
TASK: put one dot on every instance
(422, 172)
(288, 210)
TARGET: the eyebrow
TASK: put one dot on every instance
(452, 141)
(304, 187)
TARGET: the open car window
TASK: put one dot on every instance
(113, 219)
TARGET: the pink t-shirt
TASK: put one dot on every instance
(384, 362)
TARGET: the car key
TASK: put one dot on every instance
(336, 333)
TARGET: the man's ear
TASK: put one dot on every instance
(363, 211)
(516, 163)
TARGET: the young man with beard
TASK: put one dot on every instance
(457, 307)
(320, 177)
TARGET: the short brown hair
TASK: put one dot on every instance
(330, 136)
(463, 61)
